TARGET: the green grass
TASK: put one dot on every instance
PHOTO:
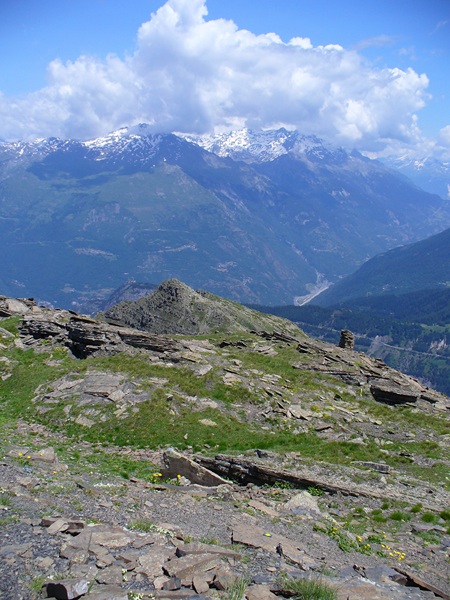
(308, 588)
(167, 418)
(5, 499)
(11, 324)
(159, 423)
(30, 370)
(399, 515)
(405, 415)
(142, 525)
(445, 514)
(236, 590)
(429, 517)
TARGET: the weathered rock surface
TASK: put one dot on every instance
(107, 560)
(175, 308)
(175, 463)
(84, 336)
(347, 340)
(357, 369)
(129, 536)
(261, 471)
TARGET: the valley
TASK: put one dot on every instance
(258, 218)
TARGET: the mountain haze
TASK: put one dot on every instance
(424, 265)
(256, 217)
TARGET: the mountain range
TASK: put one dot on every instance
(269, 218)
(429, 173)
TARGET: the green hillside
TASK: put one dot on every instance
(410, 332)
(418, 266)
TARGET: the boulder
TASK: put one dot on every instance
(177, 464)
(392, 393)
(66, 589)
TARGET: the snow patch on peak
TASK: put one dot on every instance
(138, 138)
(260, 146)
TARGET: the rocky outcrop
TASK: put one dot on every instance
(175, 308)
(85, 337)
(357, 369)
(273, 390)
(15, 306)
(267, 469)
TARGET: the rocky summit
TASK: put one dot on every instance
(176, 308)
(182, 446)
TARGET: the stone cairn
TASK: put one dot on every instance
(347, 340)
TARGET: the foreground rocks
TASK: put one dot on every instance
(109, 538)
(203, 524)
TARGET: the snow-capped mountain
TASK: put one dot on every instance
(262, 146)
(259, 217)
(428, 173)
(137, 141)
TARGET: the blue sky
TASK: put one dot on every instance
(371, 74)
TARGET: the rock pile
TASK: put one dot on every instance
(347, 340)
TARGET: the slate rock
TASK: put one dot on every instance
(108, 592)
(177, 464)
(302, 503)
(200, 548)
(347, 339)
(66, 589)
(188, 566)
(200, 584)
(259, 592)
(224, 578)
(392, 393)
(174, 583)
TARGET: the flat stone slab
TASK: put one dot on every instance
(177, 464)
(186, 567)
(259, 538)
(259, 592)
(108, 593)
(200, 548)
(152, 564)
(102, 535)
(263, 508)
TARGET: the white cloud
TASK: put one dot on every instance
(376, 42)
(193, 75)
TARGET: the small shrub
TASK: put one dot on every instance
(5, 499)
(143, 525)
(308, 588)
(429, 517)
(315, 491)
(377, 516)
(236, 590)
(416, 508)
(37, 583)
(445, 514)
(399, 515)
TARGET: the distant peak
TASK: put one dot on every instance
(259, 146)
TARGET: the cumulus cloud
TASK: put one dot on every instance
(195, 75)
